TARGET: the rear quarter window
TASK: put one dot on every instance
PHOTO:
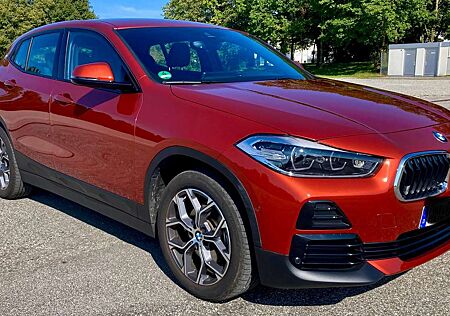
(21, 54)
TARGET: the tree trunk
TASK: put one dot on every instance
(319, 52)
(322, 58)
(314, 52)
(434, 27)
(292, 49)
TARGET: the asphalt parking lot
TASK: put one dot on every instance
(58, 258)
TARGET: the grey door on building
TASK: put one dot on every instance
(431, 61)
(409, 66)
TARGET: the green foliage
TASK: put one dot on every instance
(371, 24)
(20, 16)
(229, 13)
(287, 23)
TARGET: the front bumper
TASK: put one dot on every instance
(317, 261)
(277, 271)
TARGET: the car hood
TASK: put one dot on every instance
(318, 108)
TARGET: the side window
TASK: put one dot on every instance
(42, 54)
(85, 47)
(20, 57)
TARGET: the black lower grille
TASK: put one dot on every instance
(438, 210)
(346, 251)
(421, 176)
(411, 244)
(326, 252)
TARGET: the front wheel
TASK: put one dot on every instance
(203, 238)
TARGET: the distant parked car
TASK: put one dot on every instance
(247, 168)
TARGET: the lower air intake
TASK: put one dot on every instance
(346, 251)
(322, 215)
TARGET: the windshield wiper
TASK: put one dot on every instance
(182, 82)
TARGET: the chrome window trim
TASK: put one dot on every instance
(401, 167)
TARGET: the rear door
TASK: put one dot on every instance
(26, 87)
(94, 128)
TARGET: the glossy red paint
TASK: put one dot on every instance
(96, 130)
(97, 71)
(109, 139)
(24, 109)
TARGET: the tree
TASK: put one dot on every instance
(438, 20)
(20, 16)
(359, 29)
(447, 23)
(229, 13)
(287, 23)
(284, 23)
(191, 10)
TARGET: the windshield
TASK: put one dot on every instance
(207, 55)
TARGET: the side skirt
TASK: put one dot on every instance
(87, 195)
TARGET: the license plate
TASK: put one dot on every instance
(424, 218)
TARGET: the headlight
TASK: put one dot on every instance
(303, 158)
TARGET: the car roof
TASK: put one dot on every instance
(122, 24)
(129, 23)
(117, 24)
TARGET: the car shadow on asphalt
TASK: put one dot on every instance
(259, 295)
(307, 297)
(104, 223)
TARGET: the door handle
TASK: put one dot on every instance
(63, 99)
(9, 84)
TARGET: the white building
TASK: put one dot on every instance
(421, 59)
(305, 56)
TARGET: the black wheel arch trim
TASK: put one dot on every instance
(151, 211)
(4, 127)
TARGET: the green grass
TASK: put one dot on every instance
(340, 70)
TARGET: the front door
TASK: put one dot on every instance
(94, 128)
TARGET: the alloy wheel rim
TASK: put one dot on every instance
(198, 237)
(5, 172)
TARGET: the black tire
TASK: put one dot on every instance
(15, 189)
(237, 279)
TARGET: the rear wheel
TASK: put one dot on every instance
(203, 238)
(11, 184)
